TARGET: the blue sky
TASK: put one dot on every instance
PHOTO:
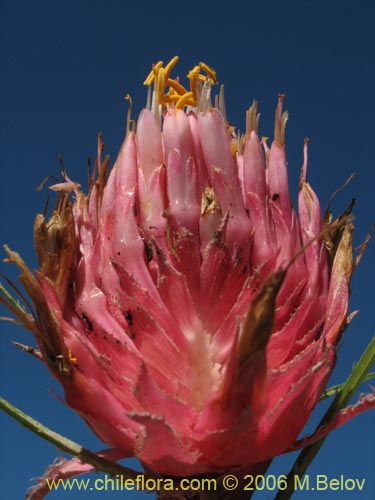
(66, 68)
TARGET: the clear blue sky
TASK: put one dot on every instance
(66, 67)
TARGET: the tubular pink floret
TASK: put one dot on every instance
(181, 170)
(278, 186)
(223, 174)
(149, 143)
(254, 170)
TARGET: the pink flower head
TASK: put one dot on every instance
(189, 314)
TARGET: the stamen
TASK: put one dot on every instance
(176, 86)
(211, 73)
(149, 94)
(193, 79)
(221, 104)
(160, 85)
(156, 107)
(185, 100)
(177, 93)
(151, 76)
(204, 103)
(172, 63)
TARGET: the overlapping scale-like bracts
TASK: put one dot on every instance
(199, 334)
(189, 313)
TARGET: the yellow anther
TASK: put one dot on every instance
(193, 72)
(193, 76)
(72, 359)
(156, 67)
(160, 85)
(151, 76)
(202, 78)
(172, 63)
(210, 72)
(170, 95)
(180, 89)
(186, 100)
(170, 98)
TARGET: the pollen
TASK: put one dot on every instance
(72, 358)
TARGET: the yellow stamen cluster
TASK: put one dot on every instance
(177, 94)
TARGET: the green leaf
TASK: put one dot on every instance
(343, 396)
(66, 445)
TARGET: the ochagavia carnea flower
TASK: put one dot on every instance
(190, 315)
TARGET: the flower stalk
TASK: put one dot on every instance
(65, 444)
